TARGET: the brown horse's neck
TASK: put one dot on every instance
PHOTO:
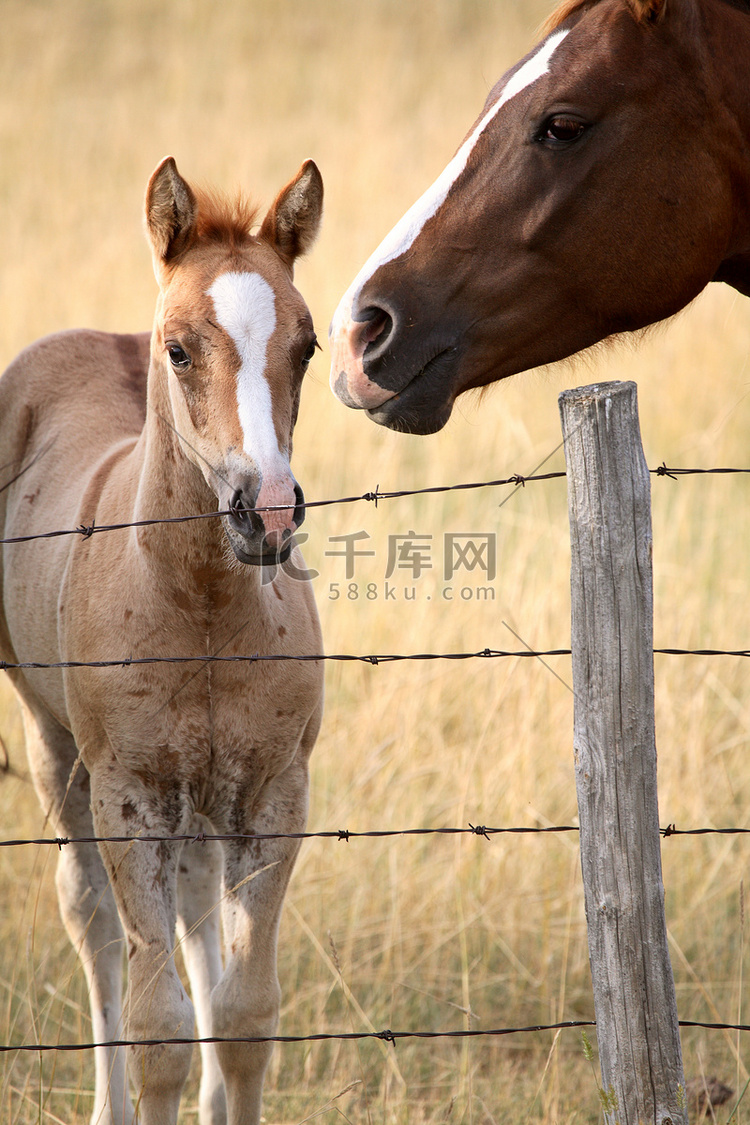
(727, 29)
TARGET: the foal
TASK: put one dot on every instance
(94, 430)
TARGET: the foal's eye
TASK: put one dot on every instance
(562, 129)
(178, 357)
(310, 352)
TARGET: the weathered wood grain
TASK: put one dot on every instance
(615, 756)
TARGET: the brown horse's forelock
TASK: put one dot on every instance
(224, 220)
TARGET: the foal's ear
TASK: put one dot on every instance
(292, 224)
(171, 212)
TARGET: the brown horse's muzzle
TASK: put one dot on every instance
(403, 379)
(350, 339)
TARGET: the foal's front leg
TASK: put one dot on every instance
(86, 904)
(143, 876)
(246, 1000)
(199, 929)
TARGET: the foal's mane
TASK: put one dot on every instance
(223, 219)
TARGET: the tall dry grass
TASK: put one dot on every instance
(414, 933)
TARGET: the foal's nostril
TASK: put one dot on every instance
(246, 519)
(374, 328)
(238, 507)
(299, 511)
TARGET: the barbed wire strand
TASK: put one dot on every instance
(344, 835)
(386, 1035)
(366, 658)
(516, 479)
(86, 531)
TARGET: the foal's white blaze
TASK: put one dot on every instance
(407, 229)
(245, 307)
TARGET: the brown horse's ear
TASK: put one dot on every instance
(292, 224)
(171, 212)
(648, 11)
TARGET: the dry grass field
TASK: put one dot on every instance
(411, 933)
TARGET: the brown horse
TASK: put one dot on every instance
(605, 184)
(93, 431)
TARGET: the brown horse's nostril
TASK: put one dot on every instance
(374, 328)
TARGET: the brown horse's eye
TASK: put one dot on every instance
(562, 129)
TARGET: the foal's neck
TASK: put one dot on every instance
(169, 485)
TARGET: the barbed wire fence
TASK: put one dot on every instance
(376, 496)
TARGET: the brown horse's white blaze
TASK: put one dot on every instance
(604, 185)
(355, 324)
(97, 428)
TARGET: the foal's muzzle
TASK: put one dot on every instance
(246, 530)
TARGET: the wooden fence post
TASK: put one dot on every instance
(615, 757)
